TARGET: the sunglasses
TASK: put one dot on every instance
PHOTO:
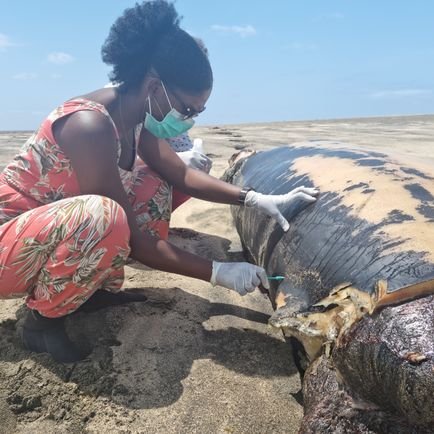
(187, 112)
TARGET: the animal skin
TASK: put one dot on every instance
(357, 300)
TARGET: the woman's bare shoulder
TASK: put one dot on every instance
(83, 127)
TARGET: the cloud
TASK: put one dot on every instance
(60, 58)
(242, 31)
(25, 76)
(5, 42)
(55, 76)
(401, 93)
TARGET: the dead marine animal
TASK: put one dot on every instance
(359, 280)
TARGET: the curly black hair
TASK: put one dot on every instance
(148, 36)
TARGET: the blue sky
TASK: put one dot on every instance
(273, 60)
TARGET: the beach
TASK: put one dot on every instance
(193, 359)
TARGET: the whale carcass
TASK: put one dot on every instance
(359, 281)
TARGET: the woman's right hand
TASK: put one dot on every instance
(241, 277)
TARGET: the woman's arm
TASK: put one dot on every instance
(158, 154)
(88, 139)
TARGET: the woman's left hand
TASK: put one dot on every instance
(269, 204)
(196, 160)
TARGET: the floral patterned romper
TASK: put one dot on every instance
(57, 247)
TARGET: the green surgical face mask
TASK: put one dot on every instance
(172, 125)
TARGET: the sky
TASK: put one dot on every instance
(274, 60)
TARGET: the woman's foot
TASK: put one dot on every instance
(48, 335)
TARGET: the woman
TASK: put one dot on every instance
(77, 202)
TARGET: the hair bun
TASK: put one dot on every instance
(136, 34)
(148, 36)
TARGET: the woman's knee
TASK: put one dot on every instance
(106, 215)
(105, 209)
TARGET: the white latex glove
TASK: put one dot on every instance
(196, 158)
(242, 277)
(268, 203)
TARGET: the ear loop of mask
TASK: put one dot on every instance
(167, 96)
(158, 106)
(156, 102)
(149, 103)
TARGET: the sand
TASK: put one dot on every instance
(195, 359)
